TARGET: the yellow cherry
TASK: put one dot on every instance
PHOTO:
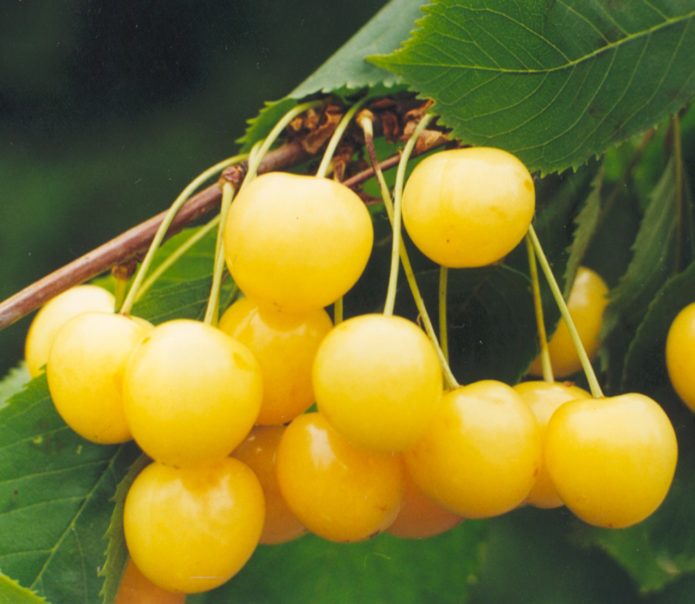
(337, 491)
(191, 393)
(587, 301)
(544, 399)
(481, 454)
(378, 381)
(680, 355)
(420, 516)
(285, 346)
(85, 373)
(192, 529)
(468, 207)
(259, 452)
(296, 242)
(55, 313)
(611, 460)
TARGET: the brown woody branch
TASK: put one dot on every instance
(133, 242)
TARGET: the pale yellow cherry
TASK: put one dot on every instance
(481, 454)
(191, 393)
(192, 529)
(378, 381)
(611, 459)
(285, 346)
(587, 301)
(337, 490)
(680, 355)
(85, 373)
(295, 242)
(54, 314)
(544, 398)
(468, 207)
(259, 452)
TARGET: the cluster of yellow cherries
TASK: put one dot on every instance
(222, 411)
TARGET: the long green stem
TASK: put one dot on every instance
(212, 309)
(680, 205)
(175, 256)
(443, 323)
(449, 377)
(166, 223)
(274, 134)
(594, 386)
(396, 223)
(538, 308)
(336, 138)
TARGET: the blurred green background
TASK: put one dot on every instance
(108, 109)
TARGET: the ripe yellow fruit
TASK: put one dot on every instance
(57, 312)
(611, 460)
(420, 516)
(297, 243)
(85, 373)
(259, 452)
(337, 491)
(544, 399)
(191, 393)
(587, 301)
(680, 355)
(192, 529)
(285, 346)
(481, 454)
(378, 381)
(468, 207)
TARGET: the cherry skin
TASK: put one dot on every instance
(337, 491)
(680, 355)
(136, 588)
(611, 460)
(259, 452)
(285, 346)
(378, 381)
(191, 393)
(468, 207)
(421, 517)
(544, 399)
(481, 454)
(55, 313)
(85, 373)
(297, 243)
(191, 529)
(587, 301)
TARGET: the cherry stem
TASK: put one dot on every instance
(538, 308)
(212, 310)
(396, 222)
(443, 323)
(449, 377)
(257, 158)
(175, 256)
(338, 311)
(335, 139)
(594, 386)
(166, 222)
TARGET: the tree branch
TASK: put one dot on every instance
(133, 242)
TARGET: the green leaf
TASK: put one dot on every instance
(347, 71)
(380, 571)
(116, 552)
(12, 592)
(553, 82)
(55, 499)
(13, 382)
(587, 221)
(653, 261)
